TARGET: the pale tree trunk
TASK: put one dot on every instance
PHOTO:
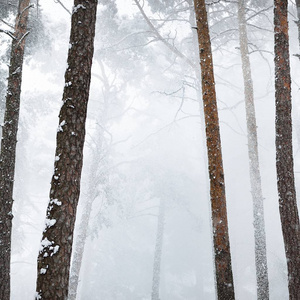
(224, 277)
(284, 150)
(98, 177)
(9, 143)
(255, 179)
(298, 21)
(56, 246)
(95, 181)
(158, 252)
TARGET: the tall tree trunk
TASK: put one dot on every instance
(284, 149)
(224, 277)
(56, 246)
(9, 143)
(255, 179)
(158, 251)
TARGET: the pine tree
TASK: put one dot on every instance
(284, 149)
(56, 246)
(255, 179)
(9, 142)
(224, 277)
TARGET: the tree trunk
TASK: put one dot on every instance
(9, 143)
(79, 248)
(158, 251)
(56, 246)
(284, 149)
(95, 181)
(224, 278)
(255, 179)
(298, 21)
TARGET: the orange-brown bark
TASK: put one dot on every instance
(224, 278)
(284, 150)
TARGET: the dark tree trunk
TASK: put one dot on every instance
(56, 246)
(284, 149)
(158, 252)
(255, 179)
(224, 278)
(9, 143)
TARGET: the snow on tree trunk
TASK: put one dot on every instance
(255, 179)
(224, 277)
(56, 246)
(158, 251)
(284, 149)
(9, 143)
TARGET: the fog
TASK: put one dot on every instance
(145, 151)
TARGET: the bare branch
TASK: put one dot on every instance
(168, 45)
(6, 23)
(63, 6)
(9, 33)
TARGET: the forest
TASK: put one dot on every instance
(149, 149)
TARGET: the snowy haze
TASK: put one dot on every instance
(145, 144)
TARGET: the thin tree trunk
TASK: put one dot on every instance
(255, 179)
(79, 249)
(298, 21)
(284, 149)
(158, 251)
(9, 143)
(95, 180)
(56, 246)
(224, 277)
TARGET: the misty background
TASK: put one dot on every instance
(145, 148)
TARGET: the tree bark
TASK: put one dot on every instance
(56, 246)
(284, 149)
(224, 277)
(9, 143)
(158, 252)
(255, 179)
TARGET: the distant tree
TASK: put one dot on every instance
(284, 149)
(9, 142)
(224, 277)
(97, 183)
(298, 20)
(56, 246)
(158, 251)
(255, 179)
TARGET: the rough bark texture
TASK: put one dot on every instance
(9, 143)
(56, 246)
(255, 179)
(284, 149)
(158, 252)
(224, 278)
